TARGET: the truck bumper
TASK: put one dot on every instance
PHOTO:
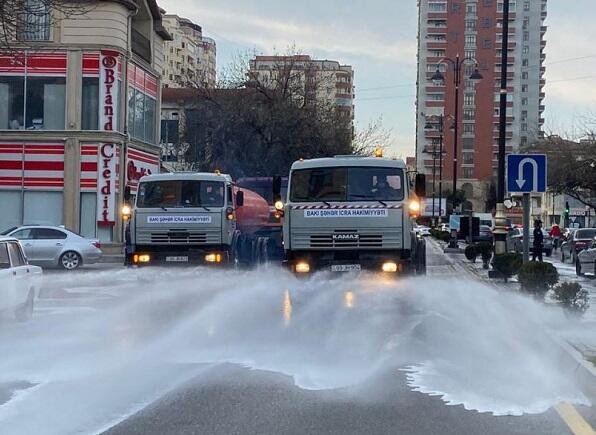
(395, 261)
(152, 256)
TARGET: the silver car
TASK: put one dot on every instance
(50, 246)
(586, 260)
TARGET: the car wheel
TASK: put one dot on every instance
(70, 260)
(24, 313)
(578, 268)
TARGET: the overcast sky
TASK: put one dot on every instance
(378, 38)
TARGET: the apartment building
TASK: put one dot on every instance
(79, 115)
(471, 30)
(190, 56)
(323, 80)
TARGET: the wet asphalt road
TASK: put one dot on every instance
(145, 384)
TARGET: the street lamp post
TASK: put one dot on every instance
(457, 65)
(440, 128)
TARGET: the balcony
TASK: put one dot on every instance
(140, 45)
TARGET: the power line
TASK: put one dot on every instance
(571, 59)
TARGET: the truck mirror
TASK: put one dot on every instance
(276, 188)
(127, 194)
(420, 185)
(240, 198)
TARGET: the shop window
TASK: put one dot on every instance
(90, 108)
(43, 108)
(12, 91)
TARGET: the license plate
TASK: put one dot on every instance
(345, 268)
(177, 259)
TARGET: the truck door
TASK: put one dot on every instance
(20, 273)
(7, 278)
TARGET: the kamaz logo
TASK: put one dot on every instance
(346, 237)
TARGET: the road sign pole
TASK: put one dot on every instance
(526, 223)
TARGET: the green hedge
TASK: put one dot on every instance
(508, 264)
(537, 277)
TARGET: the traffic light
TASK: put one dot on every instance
(566, 209)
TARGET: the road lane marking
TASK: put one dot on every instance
(574, 420)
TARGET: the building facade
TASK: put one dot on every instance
(472, 30)
(323, 80)
(79, 116)
(190, 58)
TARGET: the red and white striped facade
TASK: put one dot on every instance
(39, 64)
(32, 166)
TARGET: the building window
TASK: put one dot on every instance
(524, 88)
(471, 40)
(471, 25)
(90, 105)
(468, 99)
(525, 62)
(437, 7)
(34, 23)
(141, 115)
(526, 49)
(468, 173)
(524, 140)
(524, 127)
(42, 108)
(526, 36)
(471, 54)
(526, 23)
(524, 115)
(468, 158)
(468, 143)
(526, 6)
(469, 114)
(525, 75)
(468, 128)
(471, 8)
(524, 101)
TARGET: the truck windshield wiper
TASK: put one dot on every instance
(326, 203)
(368, 197)
(203, 207)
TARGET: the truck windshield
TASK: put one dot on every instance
(347, 184)
(180, 193)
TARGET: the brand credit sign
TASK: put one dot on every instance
(345, 213)
(106, 184)
(108, 90)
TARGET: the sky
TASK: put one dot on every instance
(378, 38)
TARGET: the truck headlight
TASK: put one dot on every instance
(126, 211)
(213, 258)
(389, 267)
(141, 258)
(279, 205)
(414, 207)
(302, 267)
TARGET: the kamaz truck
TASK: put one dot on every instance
(351, 213)
(196, 218)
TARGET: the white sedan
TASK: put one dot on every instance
(586, 261)
(19, 281)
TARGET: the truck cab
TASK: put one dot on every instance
(183, 218)
(350, 213)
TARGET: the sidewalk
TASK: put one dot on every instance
(585, 344)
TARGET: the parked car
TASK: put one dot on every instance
(485, 234)
(422, 230)
(586, 260)
(19, 281)
(50, 246)
(580, 240)
(515, 241)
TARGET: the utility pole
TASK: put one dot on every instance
(500, 219)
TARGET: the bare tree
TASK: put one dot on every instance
(372, 137)
(29, 20)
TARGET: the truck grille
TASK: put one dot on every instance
(320, 239)
(364, 241)
(179, 237)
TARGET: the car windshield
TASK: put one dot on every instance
(347, 184)
(180, 193)
(588, 233)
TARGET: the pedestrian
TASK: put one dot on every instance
(538, 241)
(555, 233)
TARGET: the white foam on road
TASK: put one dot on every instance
(461, 340)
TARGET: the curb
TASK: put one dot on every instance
(584, 371)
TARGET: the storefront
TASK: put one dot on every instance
(79, 122)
